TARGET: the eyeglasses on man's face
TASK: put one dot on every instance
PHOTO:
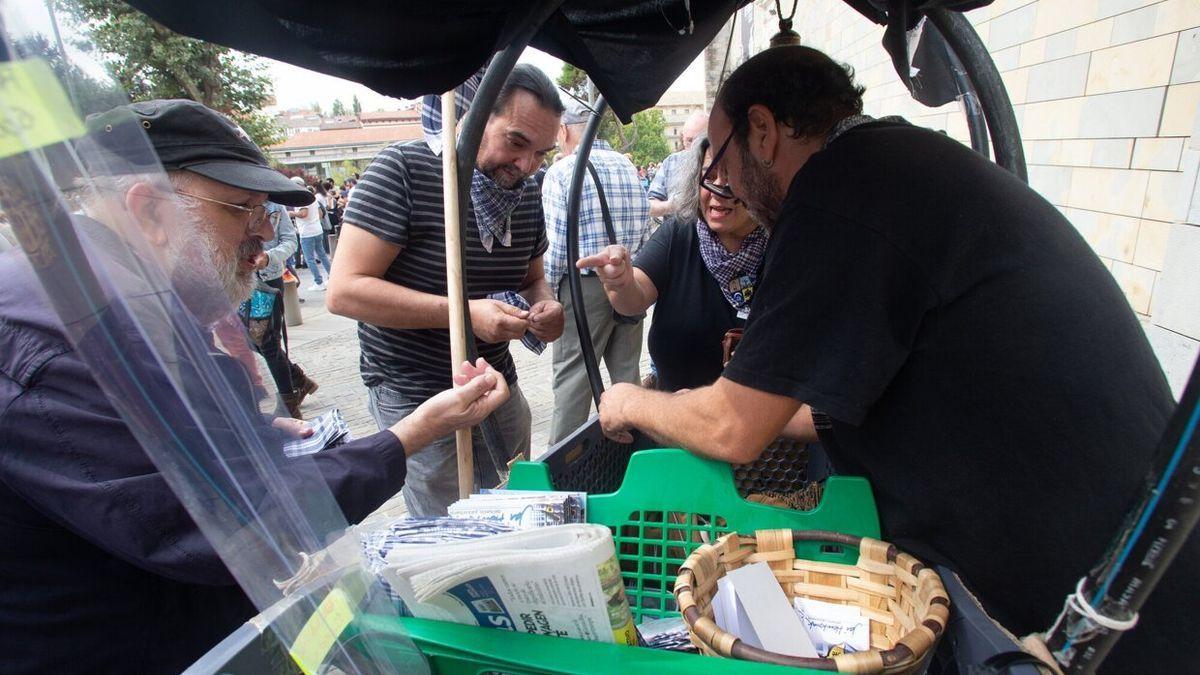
(255, 216)
(707, 179)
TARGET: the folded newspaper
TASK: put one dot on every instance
(328, 430)
(562, 581)
(523, 508)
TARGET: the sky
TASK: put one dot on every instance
(298, 88)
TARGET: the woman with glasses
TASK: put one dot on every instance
(699, 269)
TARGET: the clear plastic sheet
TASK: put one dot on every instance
(138, 312)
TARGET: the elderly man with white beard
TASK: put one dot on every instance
(103, 568)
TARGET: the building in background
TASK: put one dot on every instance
(320, 152)
(677, 107)
(386, 117)
(299, 121)
(322, 145)
(1106, 93)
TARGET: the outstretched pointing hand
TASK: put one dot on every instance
(612, 265)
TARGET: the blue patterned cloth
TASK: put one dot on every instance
(531, 342)
(431, 110)
(493, 209)
(736, 273)
(627, 202)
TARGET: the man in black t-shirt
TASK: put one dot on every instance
(974, 358)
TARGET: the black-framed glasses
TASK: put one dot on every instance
(719, 189)
(255, 216)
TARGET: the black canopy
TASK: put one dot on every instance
(632, 49)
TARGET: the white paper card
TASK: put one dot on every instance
(720, 602)
(830, 624)
(768, 612)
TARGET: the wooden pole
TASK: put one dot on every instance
(454, 280)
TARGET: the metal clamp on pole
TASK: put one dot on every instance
(993, 97)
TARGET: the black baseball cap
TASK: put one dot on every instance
(187, 135)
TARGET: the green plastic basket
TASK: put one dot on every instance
(669, 503)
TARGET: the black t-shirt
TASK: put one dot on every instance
(980, 364)
(691, 314)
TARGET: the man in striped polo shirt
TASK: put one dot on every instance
(391, 274)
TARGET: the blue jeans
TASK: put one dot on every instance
(313, 251)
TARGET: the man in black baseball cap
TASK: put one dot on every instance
(103, 568)
(217, 180)
(188, 136)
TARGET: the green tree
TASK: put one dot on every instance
(315, 107)
(339, 108)
(345, 170)
(355, 105)
(88, 94)
(573, 80)
(150, 61)
(645, 137)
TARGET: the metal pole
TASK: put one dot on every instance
(993, 97)
(1141, 552)
(529, 20)
(454, 282)
(976, 123)
(574, 282)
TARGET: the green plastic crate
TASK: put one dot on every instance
(669, 503)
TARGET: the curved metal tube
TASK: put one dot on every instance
(993, 97)
(470, 135)
(473, 123)
(976, 124)
(574, 282)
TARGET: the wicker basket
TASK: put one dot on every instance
(904, 600)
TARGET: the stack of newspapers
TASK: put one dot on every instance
(523, 509)
(562, 581)
(378, 544)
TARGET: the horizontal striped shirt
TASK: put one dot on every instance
(399, 200)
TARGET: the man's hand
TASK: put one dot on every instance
(261, 260)
(477, 392)
(612, 265)
(293, 427)
(612, 412)
(495, 321)
(546, 320)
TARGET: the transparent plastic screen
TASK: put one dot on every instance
(140, 282)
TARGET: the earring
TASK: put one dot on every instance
(768, 162)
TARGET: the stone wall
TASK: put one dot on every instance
(1106, 93)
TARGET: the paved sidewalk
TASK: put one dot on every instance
(326, 347)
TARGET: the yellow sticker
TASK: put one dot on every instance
(34, 110)
(323, 628)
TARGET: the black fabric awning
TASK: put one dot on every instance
(632, 49)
